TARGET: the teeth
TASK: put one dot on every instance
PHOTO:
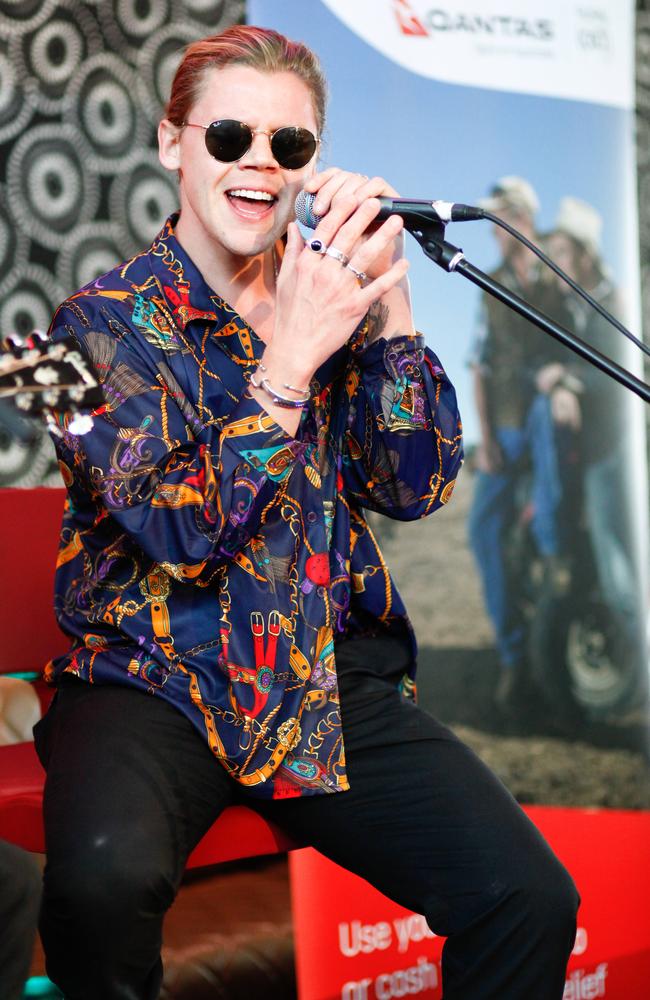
(255, 195)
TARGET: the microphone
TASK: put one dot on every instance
(415, 213)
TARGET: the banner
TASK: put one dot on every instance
(575, 51)
(529, 593)
(352, 943)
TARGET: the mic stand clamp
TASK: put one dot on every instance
(431, 238)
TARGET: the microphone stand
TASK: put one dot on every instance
(450, 258)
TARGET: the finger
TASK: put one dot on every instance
(294, 246)
(366, 252)
(342, 183)
(351, 230)
(316, 182)
(337, 187)
(375, 187)
(332, 221)
(358, 184)
(375, 289)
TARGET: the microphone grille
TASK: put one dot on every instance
(303, 207)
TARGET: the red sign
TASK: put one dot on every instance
(352, 943)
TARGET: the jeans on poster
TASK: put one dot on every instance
(530, 448)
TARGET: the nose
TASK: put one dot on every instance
(260, 154)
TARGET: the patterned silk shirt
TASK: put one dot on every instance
(208, 557)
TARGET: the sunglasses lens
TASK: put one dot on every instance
(227, 140)
(293, 147)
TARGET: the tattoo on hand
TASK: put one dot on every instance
(377, 320)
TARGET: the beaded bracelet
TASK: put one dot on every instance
(277, 397)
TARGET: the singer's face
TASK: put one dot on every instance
(241, 207)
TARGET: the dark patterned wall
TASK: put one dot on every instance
(82, 87)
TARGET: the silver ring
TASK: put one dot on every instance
(337, 255)
(318, 246)
(361, 276)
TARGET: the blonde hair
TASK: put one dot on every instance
(244, 45)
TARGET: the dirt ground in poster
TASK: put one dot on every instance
(603, 761)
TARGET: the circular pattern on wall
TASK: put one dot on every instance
(29, 301)
(15, 110)
(210, 14)
(157, 63)
(101, 102)
(88, 252)
(143, 199)
(49, 190)
(127, 23)
(30, 461)
(18, 16)
(13, 244)
(53, 53)
(138, 18)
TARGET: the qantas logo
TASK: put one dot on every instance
(409, 22)
(439, 20)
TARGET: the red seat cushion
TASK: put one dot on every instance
(30, 523)
(21, 793)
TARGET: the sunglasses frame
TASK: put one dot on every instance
(253, 133)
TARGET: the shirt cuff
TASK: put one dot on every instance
(253, 434)
(389, 355)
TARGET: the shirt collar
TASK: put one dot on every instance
(189, 297)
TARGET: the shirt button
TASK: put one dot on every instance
(321, 591)
(312, 516)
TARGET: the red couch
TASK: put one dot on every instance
(29, 528)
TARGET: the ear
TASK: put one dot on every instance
(169, 140)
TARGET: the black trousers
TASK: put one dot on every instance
(131, 787)
(20, 896)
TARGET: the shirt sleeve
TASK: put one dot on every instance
(187, 493)
(403, 442)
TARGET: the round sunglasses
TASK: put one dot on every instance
(227, 140)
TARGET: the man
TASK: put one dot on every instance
(227, 603)
(20, 878)
(20, 893)
(601, 414)
(517, 435)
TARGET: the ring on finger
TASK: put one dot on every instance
(319, 247)
(361, 276)
(338, 255)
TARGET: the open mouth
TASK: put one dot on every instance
(251, 203)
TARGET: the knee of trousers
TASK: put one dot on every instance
(20, 882)
(100, 885)
(549, 897)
